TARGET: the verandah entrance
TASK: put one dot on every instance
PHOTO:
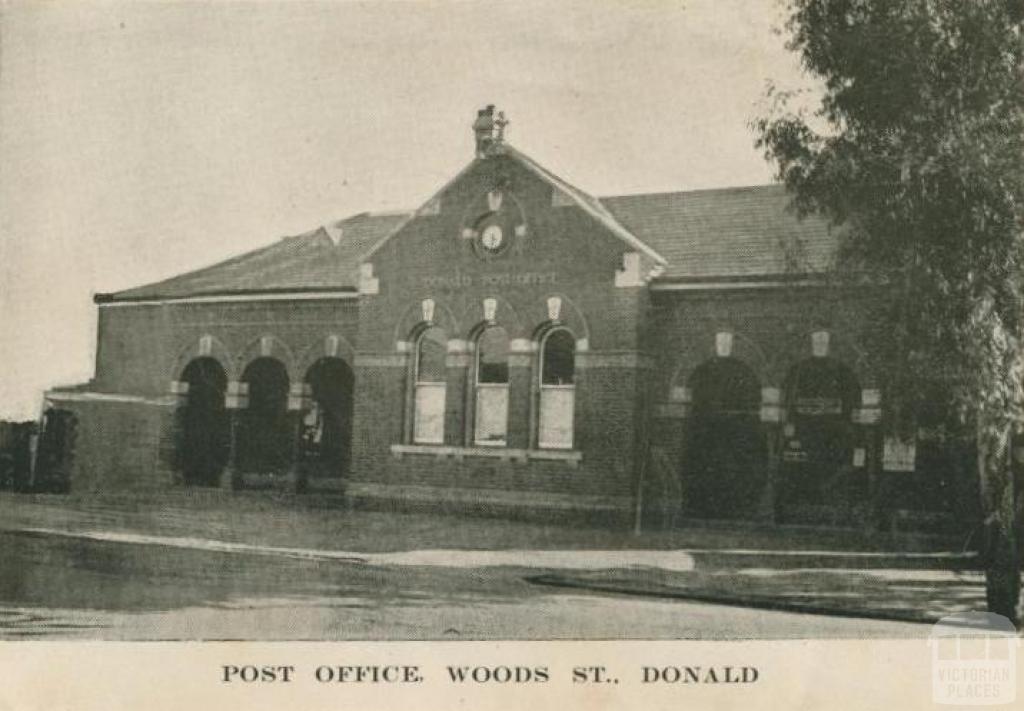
(205, 428)
(327, 424)
(724, 471)
(265, 439)
(823, 476)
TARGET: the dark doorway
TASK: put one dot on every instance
(203, 448)
(327, 425)
(820, 467)
(724, 470)
(264, 442)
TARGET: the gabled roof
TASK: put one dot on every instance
(588, 203)
(591, 205)
(722, 234)
(727, 232)
(306, 262)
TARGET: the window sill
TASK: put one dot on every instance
(572, 457)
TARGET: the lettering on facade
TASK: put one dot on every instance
(458, 279)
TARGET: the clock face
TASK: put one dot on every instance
(494, 225)
(492, 238)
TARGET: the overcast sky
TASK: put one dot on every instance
(142, 140)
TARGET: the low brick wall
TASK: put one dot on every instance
(119, 444)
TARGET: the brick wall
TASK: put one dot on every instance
(142, 348)
(119, 445)
(128, 440)
(636, 351)
(563, 253)
(771, 334)
(771, 330)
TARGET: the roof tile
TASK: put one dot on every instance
(705, 234)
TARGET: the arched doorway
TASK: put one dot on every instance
(203, 447)
(265, 439)
(327, 425)
(724, 471)
(819, 467)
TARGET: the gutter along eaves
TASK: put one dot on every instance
(227, 297)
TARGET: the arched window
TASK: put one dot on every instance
(557, 389)
(491, 412)
(429, 378)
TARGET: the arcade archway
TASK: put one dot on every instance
(204, 445)
(724, 469)
(823, 457)
(327, 424)
(264, 438)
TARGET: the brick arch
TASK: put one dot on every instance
(505, 315)
(695, 352)
(842, 348)
(277, 349)
(411, 320)
(322, 348)
(195, 348)
(571, 317)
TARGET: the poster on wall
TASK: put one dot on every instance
(898, 455)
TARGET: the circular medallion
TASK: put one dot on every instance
(494, 224)
(492, 239)
(492, 236)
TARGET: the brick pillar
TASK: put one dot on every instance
(458, 405)
(298, 402)
(608, 413)
(877, 501)
(235, 401)
(667, 451)
(172, 431)
(678, 411)
(869, 415)
(772, 417)
(521, 376)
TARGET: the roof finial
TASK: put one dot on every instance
(500, 123)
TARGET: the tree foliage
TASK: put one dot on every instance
(920, 165)
(920, 162)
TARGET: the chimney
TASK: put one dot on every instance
(483, 130)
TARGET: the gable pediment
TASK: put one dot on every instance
(510, 187)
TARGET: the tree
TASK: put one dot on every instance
(916, 154)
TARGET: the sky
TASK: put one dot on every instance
(142, 140)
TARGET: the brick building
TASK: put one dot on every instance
(514, 344)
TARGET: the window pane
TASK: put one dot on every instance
(556, 413)
(430, 354)
(429, 415)
(491, 414)
(492, 356)
(558, 366)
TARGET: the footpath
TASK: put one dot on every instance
(802, 570)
